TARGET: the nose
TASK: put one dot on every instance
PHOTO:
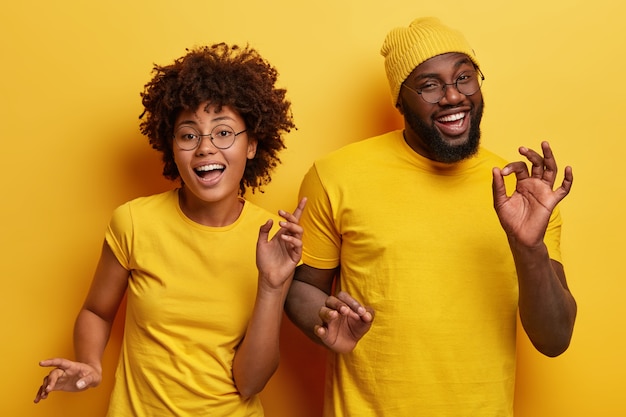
(451, 95)
(206, 147)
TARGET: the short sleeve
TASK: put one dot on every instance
(321, 239)
(119, 234)
(552, 238)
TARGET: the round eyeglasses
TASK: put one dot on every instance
(434, 90)
(188, 138)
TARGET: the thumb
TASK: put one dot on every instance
(264, 230)
(89, 380)
(498, 187)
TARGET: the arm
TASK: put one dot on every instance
(91, 331)
(547, 308)
(336, 322)
(257, 357)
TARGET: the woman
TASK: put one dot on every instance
(205, 282)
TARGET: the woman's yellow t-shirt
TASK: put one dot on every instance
(190, 296)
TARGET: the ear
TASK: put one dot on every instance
(399, 106)
(252, 144)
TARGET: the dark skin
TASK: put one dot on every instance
(256, 358)
(547, 308)
(338, 322)
(240, 91)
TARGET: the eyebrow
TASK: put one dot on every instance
(457, 65)
(222, 118)
(194, 122)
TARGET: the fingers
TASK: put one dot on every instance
(498, 187)
(42, 392)
(264, 230)
(48, 384)
(566, 185)
(549, 164)
(291, 220)
(63, 364)
(536, 160)
(291, 224)
(291, 230)
(518, 168)
(321, 332)
(295, 217)
(298, 212)
(328, 314)
(543, 167)
(343, 304)
(367, 315)
(66, 376)
(344, 322)
(336, 305)
(51, 379)
(568, 176)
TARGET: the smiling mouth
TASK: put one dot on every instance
(453, 125)
(456, 118)
(210, 170)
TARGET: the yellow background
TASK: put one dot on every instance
(70, 77)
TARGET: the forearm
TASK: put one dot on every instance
(91, 334)
(547, 308)
(303, 306)
(257, 358)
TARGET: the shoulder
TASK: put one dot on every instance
(253, 216)
(166, 197)
(253, 210)
(147, 207)
(383, 141)
(363, 153)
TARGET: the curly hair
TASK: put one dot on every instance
(223, 76)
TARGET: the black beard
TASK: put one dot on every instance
(440, 150)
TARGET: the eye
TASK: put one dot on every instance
(430, 85)
(222, 132)
(465, 78)
(187, 136)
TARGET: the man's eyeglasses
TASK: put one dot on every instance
(222, 136)
(434, 90)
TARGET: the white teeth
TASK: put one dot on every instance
(210, 167)
(452, 117)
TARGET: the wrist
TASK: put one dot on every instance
(273, 290)
(520, 246)
(96, 365)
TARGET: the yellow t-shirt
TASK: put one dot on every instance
(420, 242)
(190, 294)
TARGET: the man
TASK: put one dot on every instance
(401, 226)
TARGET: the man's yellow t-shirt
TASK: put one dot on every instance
(420, 242)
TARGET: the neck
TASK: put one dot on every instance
(214, 214)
